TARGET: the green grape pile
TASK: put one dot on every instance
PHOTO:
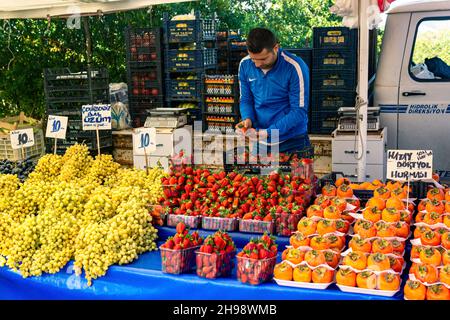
(74, 207)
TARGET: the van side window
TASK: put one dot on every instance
(430, 57)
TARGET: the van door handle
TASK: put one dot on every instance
(413, 93)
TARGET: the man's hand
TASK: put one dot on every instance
(243, 126)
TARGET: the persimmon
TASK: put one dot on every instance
(446, 257)
(426, 273)
(356, 186)
(382, 246)
(342, 226)
(420, 216)
(420, 230)
(401, 229)
(390, 215)
(395, 203)
(360, 244)
(398, 246)
(378, 262)
(356, 260)
(430, 256)
(382, 192)
(346, 277)
(423, 204)
(354, 202)
(399, 193)
(314, 210)
(345, 215)
(415, 251)
(342, 181)
(339, 203)
(284, 253)
(414, 290)
(335, 242)
(376, 202)
(298, 239)
(315, 258)
(405, 216)
(329, 190)
(366, 280)
(372, 214)
(444, 275)
(396, 263)
(331, 258)
(322, 275)
(344, 191)
(435, 206)
(388, 281)
(331, 212)
(377, 183)
(283, 271)
(438, 292)
(366, 229)
(431, 218)
(319, 243)
(445, 240)
(384, 229)
(430, 238)
(295, 256)
(302, 273)
(436, 194)
(323, 201)
(393, 185)
(325, 226)
(307, 226)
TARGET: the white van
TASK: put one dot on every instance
(414, 102)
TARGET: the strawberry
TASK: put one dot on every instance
(186, 243)
(177, 239)
(263, 254)
(169, 243)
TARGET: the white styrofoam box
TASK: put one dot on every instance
(350, 170)
(139, 162)
(343, 148)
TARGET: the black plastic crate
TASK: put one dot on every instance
(324, 121)
(332, 100)
(334, 80)
(184, 89)
(198, 30)
(143, 46)
(190, 60)
(304, 53)
(335, 37)
(334, 59)
(59, 78)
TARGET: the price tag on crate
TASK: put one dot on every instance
(56, 127)
(144, 141)
(22, 138)
(96, 116)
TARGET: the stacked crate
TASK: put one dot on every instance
(222, 52)
(333, 76)
(190, 51)
(144, 72)
(237, 49)
(221, 103)
(65, 93)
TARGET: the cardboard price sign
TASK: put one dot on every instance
(409, 165)
(96, 116)
(144, 141)
(56, 127)
(22, 138)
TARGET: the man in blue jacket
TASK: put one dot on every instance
(274, 88)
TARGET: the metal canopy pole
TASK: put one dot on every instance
(363, 84)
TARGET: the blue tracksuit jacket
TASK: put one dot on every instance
(278, 99)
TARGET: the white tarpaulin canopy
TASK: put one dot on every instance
(12, 9)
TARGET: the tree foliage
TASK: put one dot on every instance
(30, 45)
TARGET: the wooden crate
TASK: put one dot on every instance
(123, 147)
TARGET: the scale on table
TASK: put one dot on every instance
(347, 119)
(166, 118)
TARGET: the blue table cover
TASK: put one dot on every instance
(143, 279)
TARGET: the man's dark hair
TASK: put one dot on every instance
(259, 39)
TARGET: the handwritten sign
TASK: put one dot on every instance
(409, 165)
(56, 127)
(96, 116)
(22, 138)
(144, 141)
